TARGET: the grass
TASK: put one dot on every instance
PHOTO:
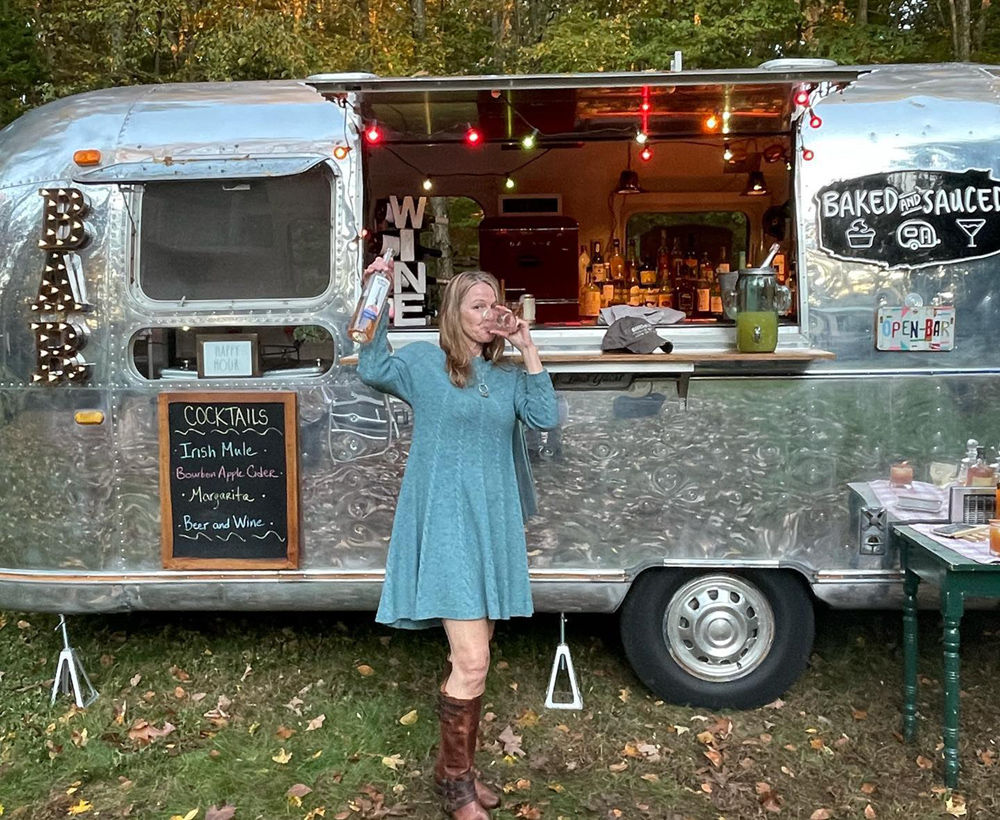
(831, 744)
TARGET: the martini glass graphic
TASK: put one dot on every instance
(971, 227)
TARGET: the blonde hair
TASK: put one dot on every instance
(453, 341)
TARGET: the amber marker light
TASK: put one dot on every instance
(89, 417)
(88, 156)
(341, 152)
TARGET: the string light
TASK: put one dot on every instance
(341, 152)
(509, 184)
(807, 154)
(373, 134)
(712, 122)
(646, 153)
(472, 136)
(428, 184)
(528, 141)
(641, 137)
(727, 153)
(815, 121)
(802, 97)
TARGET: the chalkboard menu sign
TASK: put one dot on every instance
(229, 480)
(911, 218)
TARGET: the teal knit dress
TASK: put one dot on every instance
(457, 549)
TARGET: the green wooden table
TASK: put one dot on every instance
(956, 576)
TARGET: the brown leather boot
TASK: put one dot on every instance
(454, 779)
(487, 799)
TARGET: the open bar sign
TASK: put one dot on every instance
(916, 328)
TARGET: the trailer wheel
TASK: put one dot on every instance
(735, 639)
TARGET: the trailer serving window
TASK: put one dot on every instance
(606, 158)
(236, 239)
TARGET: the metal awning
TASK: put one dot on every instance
(596, 106)
(340, 84)
(201, 168)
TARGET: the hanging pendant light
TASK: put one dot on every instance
(628, 180)
(756, 185)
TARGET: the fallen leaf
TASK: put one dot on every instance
(817, 743)
(619, 767)
(511, 742)
(316, 723)
(768, 797)
(135, 680)
(366, 670)
(528, 719)
(860, 714)
(179, 673)
(924, 763)
(79, 738)
(624, 695)
(299, 790)
(145, 732)
(788, 771)
(220, 813)
(706, 787)
(869, 812)
(706, 737)
(80, 808)
(820, 814)
(294, 705)
(393, 761)
(179, 693)
(681, 729)
(282, 757)
(988, 757)
(955, 806)
(868, 788)
(775, 704)
(651, 777)
(714, 756)
(409, 718)
(283, 732)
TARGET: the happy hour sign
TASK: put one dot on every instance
(911, 218)
(229, 480)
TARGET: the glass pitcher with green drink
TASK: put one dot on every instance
(755, 303)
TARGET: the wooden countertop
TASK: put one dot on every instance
(677, 360)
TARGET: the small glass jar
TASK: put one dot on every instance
(995, 536)
(901, 475)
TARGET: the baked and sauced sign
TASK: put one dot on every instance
(911, 218)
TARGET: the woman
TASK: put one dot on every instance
(457, 556)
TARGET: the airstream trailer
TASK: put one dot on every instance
(182, 425)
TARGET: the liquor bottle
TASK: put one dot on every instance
(590, 298)
(704, 287)
(971, 448)
(583, 264)
(617, 261)
(686, 286)
(981, 474)
(374, 295)
(663, 256)
(718, 312)
(668, 294)
(635, 295)
(677, 266)
(599, 268)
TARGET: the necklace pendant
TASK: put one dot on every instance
(484, 390)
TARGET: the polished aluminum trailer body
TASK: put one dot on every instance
(739, 467)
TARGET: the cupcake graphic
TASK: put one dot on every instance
(859, 235)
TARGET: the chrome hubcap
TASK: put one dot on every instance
(719, 627)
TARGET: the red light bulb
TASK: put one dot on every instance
(807, 154)
(645, 106)
(815, 121)
(646, 154)
(802, 98)
(473, 137)
(373, 134)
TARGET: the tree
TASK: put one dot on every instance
(21, 68)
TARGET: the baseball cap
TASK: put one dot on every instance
(633, 334)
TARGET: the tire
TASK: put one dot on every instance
(733, 639)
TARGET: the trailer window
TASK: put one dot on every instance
(236, 239)
(269, 352)
(723, 235)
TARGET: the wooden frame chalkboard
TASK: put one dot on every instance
(221, 455)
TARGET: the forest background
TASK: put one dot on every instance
(51, 48)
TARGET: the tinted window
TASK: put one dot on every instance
(236, 239)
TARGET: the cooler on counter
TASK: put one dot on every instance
(537, 255)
